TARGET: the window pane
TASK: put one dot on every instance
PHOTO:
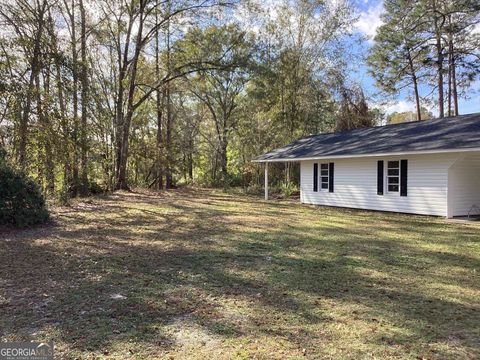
(325, 179)
(324, 172)
(392, 164)
(325, 166)
(393, 172)
(393, 188)
(324, 185)
(393, 180)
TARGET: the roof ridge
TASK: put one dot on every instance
(390, 125)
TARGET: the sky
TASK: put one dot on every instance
(369, 20)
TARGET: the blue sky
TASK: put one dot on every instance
(369, 20)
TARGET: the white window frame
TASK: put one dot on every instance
(388, 176)
(320, 174)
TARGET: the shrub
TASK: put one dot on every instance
(21, 201)
(288, 189)
(254, 189)
(95, 189)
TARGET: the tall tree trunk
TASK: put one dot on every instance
(224, 156)
(160, 157)
(452, 79)
(454, 87)
(190, 159)
(49, 142)
(119, 123)
(417, 99)
(440, 58)
(185, 167)
(168, 134)
(73, 26)
(415, 87)
(119, 127)
(23, 129)
(450, 65)
(122, 171)
(215, 168)
(159, 109)
(449, 95)
(65, 135)
(168, 141)
(84, 82)
(45, 148)
(34, 71)
(65, 130)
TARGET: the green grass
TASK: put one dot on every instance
(202, 274)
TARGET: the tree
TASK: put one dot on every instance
(32, 17)
(406, 116)
(396, 57)
(69, 10)
(462, 45)
(134, 21)
(353, 112)
(438, 21)
(84, 79)
(219, 89)
(104, 95)
(450, 31)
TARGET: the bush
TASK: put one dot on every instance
(95, 189)
(254, 189)
(21, 201)
(288, 189)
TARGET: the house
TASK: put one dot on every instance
(429, 167)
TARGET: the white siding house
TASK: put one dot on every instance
(429, 175)
(443, 182)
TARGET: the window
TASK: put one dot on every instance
(393, 176)
(324, 176)
(396, 177)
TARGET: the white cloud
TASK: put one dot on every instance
(404, 106)
(399, 106)
(370, 20)
(394, 106)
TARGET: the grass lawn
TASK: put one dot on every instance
(201, 274)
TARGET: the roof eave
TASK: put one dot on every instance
(416, 152)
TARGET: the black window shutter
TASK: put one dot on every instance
(330, 177)
(403, 177)
(380, 173)
(315, 177)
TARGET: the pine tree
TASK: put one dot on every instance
(395, 59)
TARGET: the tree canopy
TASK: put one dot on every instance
(423, 43)
(108, 94)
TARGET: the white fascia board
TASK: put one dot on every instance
(372, 155)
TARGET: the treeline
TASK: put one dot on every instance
(429, 47)
(110, 94)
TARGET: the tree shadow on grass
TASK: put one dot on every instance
(130, 274)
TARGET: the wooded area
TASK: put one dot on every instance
(108, 94)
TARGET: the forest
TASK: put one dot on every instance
(103, 95)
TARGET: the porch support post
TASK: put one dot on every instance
(266, 180)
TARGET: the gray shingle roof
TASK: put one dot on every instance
(453, 133)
